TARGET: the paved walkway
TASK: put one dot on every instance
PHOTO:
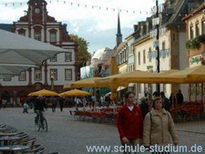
(69, 136)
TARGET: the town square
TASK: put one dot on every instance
(102, 76)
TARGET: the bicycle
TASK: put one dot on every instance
(41, 122)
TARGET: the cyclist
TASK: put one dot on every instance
(40, 105)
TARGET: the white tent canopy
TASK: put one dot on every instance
(17, 49)
(13, 69)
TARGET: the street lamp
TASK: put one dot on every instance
(157, 46)
(52, 81)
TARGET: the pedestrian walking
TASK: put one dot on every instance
(166, 102)
(25, 107)
(54, 103)
(159, 127)
(180, 97)
(144, 106)
(130, 122)
(61, 103)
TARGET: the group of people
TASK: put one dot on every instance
(145, 127)
(31, 102)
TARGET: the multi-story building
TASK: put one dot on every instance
(171, 43)
(195, 28)
(60, 70)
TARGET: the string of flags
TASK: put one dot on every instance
(74, 4)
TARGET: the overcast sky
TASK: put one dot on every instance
(93, 20)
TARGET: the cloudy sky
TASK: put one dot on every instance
(93, 20)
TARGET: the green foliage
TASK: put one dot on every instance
(193, 43)
(83, 55)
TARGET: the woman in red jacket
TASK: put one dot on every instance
(130, 121)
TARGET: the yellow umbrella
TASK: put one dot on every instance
(75, 92)
(114, 68)
(192, 75)
(89, 82)
(140, 77)
(43, 92)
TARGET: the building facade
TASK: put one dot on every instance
(171, 42)
(195, 28)
(59, 70)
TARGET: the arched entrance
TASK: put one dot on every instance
(5, 95)
(5, 98)
(38, 86)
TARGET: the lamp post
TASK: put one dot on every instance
(52, 81)
(157, 44)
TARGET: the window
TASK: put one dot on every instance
(163, 45)
(7, 78)
(22, 32)
(191, 32)
(150, 56)
(197, 29)
(37, 36)
(54, 74)
(54, 59)
(203, 27)
(53, 37)
(68, 57)
(120, 58)
(22, 76)
(37, 74)
(68, 74)
(138, 58)
(163, 52)
(144, 57)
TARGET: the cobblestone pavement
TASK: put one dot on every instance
(69, 136)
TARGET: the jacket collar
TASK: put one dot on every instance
(155, 112)
(126, 107)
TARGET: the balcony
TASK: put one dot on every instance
(196, 51)
(196, 46)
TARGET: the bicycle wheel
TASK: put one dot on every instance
(45, 125)
(38, 125)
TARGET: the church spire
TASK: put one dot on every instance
(118, 35)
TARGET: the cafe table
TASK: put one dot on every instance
(7, 139)
(11, 149)
(7, 134)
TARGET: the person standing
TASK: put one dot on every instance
(25, 107)
(144, 106)
(180, 97)
(54, 103)
(159, 127)
(130, 121)
(172, 99)
(61, 103)
(166, 102)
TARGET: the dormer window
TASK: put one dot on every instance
(53, 35)
(22, 32)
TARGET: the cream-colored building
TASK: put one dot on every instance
(171, 43)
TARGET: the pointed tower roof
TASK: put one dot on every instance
(118, 35)
(118, 24)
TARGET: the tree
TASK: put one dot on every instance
(83, 55)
